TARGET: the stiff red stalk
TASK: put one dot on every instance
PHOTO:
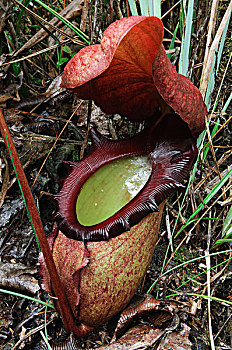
(64, 306)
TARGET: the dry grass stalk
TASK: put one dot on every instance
(206, 72)
(212, 22)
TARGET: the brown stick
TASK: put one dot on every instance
(64, 306)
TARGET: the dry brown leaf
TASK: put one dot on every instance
(11, 92)
(138, 337)
(4, 98)
(18, 276)
(162, 312)
(176, 340)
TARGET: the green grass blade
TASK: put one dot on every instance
(182, 20)
(222, 42)
(225, 240)
(26, 297)
(185, 48)
(206, 200)
(203, 273)
(184, 263)
(211, 84)
(173, 41)
(203, 296)
(156, 8)
(133, 7)
(227, 223)
(226, 229)
(144, 7)
(227, 103)
(150, 7)
(147, 7)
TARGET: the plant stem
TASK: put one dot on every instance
(64, 306)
